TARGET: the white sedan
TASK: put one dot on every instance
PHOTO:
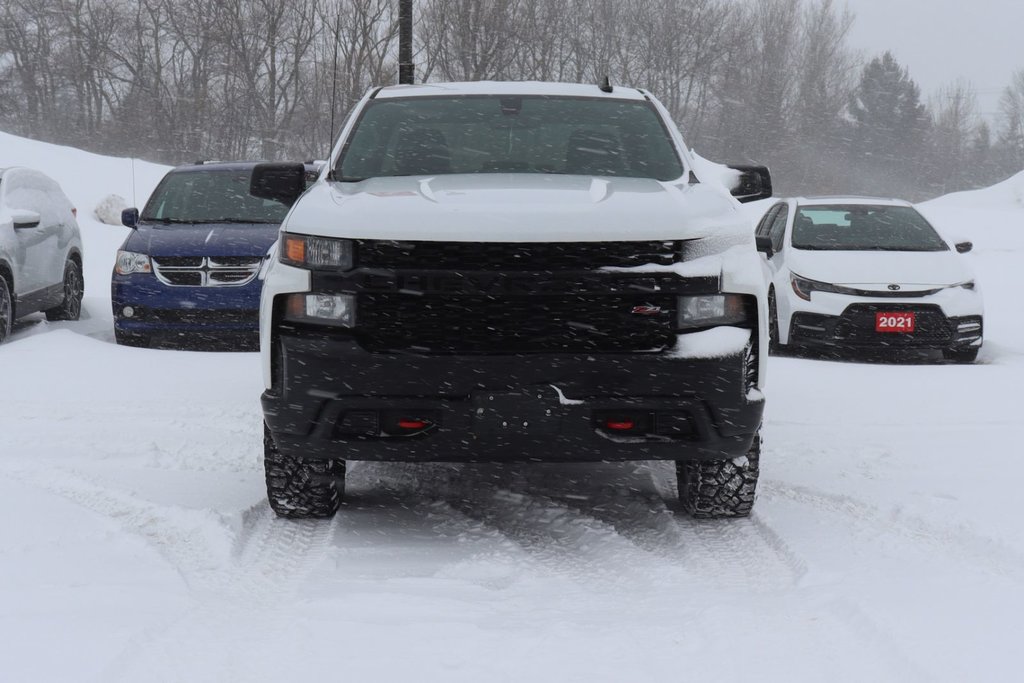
(853, 273)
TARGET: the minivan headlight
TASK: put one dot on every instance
(316, 253)
(129, 262)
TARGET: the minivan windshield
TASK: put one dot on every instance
(210, 196)
(592, 136)
(864, 227)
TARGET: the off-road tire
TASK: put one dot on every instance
(714, 489)
(299, 489)
(960, 355)
(6, 310)
(74, 287)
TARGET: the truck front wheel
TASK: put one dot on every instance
(713, 489)
(298, 488)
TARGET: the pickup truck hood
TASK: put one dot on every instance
(514, 208)
(878, 269)
(203, 239)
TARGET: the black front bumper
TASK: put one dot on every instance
(333, 399)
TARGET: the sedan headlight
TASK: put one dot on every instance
(316, 253)
(129, 262)
(965, 285)
(803, 287)
(709, 310)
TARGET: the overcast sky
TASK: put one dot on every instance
(940, 41)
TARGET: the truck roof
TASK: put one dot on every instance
(509, 88)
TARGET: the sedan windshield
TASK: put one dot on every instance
(210, 196)
(863, 227)
(505, 134)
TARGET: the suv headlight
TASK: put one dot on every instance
(709, 310)
(316, 253)
(129, 262)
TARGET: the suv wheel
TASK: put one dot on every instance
(298, 488)
(6, 310)
(712, 489)
(71, 307)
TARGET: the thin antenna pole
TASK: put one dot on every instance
(406, 69)
(334, 75)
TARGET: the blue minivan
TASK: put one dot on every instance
(189, 273)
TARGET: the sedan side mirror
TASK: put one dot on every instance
(964, 247)
(755, 182)
(764, 245)
(281, 182)
(25, 219)
(130, 218)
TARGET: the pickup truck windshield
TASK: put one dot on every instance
(504, 134)
(210, 196)
(860, 227)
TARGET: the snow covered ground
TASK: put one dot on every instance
(137, 546)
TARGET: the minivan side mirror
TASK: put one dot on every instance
(764, 245)
(755, 182)
(130, 218)
(283, 182)
(22, 218)
(964, 247)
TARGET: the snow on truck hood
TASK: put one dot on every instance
(514, 208)
(880, 268)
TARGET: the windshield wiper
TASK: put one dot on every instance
(165, 221)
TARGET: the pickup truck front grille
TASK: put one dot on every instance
(516, 324)
(514, 256)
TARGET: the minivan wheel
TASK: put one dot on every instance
(298, 488)
(71, 307)
(130, 338)
(6, 310)
(714, 489)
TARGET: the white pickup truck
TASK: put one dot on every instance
(513, 271)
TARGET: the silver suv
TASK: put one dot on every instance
(40, 249)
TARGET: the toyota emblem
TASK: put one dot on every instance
(894, 288)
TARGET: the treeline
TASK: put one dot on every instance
(768, 81)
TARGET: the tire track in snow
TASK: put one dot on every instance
(271, 560)
(967, 546)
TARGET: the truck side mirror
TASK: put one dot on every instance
(130, 218)
(764, 245)
(282, 182)
(755, 182)
(964, 247)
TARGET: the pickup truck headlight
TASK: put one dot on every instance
(709, 310)
(129, 262)
(321, 309)
(316, 253)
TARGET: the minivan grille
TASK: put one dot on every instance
(206, 271)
